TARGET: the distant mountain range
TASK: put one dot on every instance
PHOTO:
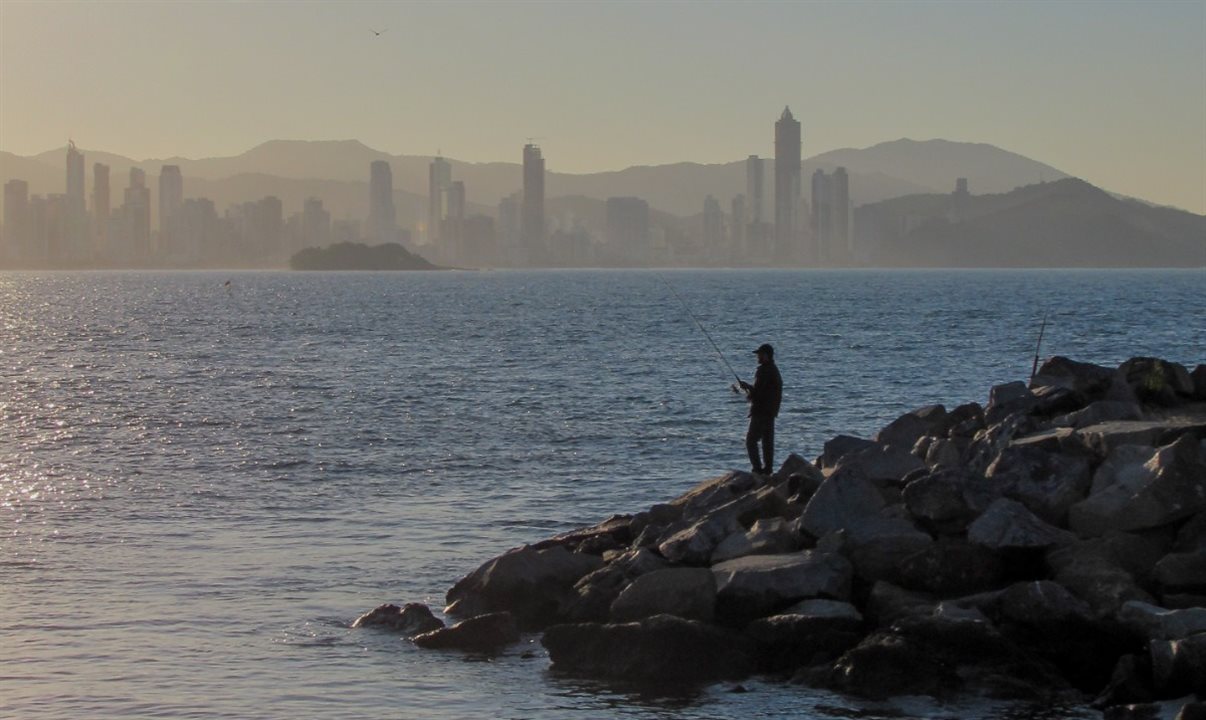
(337, 172)
(1067, 223)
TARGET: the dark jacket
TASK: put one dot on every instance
(767, 392)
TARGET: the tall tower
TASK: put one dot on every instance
(787, 185)
(439, 178)
(841, 250)
(16, 222)
(532, 214)
(137, 213)
(75, 212)
(75, 178)
(171, 197)
(101, 202)
(754, 190)
(453, 229)
(382, 219)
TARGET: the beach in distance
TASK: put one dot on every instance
(206, 476)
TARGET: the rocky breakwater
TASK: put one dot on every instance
(1051, 543)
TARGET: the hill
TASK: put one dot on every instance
(1067, 223)
(356, 256)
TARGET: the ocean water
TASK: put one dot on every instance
(202, 485)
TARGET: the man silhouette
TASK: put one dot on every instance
(764, 397)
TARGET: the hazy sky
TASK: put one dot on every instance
(1111, 91)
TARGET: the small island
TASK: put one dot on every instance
(358, 256)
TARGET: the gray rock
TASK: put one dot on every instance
(1157, 381)
(1099, 412)
(483, 633)
(1046, 483)
(1043, 605)
(903, 432)
(823, 608)
(664, 650)
(888, 603)
(950, 568)
(1009, 399)
(965, 421)
(1192, 535)
(1182, 572)
(770, 536)
(534, 585)
(694, 545)
(790, 640)
(878, 545)
(1170, 488)
(1086, 379)
(882, 464)
(1090, 572)
(410, 620)
(758, 585)
(846, 497)
(1157, 623)
(1124, 465)
(1102, 438)
(596, 591)
(1008, 525)
(840, 446)
(711, 494)
(947, 499)
(683, 592)
(943, 454)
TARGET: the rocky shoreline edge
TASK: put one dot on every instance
(1048, 546)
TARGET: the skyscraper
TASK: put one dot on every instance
(171, 197)
(16, 247)
(136, 212)
(532, 214)
(101, 202)
(713, 230)
(628, 230)
(452, 231)
(787, 186)
(841, 251)
(75, 244)
(316, 224)
(754, 192)
(439, 177)
(382, 219)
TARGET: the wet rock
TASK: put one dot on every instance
(483, 633)
(804, 636)
(659, 650)
(1157, 623)
(683, 592)
(1048, 484)
(1166, 489)
(759, 585)
(534, 585)
(1008, 524)
(888, 603)
(410, 620)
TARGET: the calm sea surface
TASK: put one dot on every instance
(201, 486)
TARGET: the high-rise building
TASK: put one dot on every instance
(316, 224)
(754, 190)
(452, 236)
(382, 219)
(195, 225)
(171, 197)
(439, 178)
(737, 245)
(75, 245)
(713, 230)
(17, 242)
(136, 216)
(628, 230)
(532, 213)
(831, 217)
(787, 186)
(101, 203)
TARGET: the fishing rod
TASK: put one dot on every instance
(702, 329)
(1039, 344)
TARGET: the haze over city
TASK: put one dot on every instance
(1112, 92)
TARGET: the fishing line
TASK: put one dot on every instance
(699, 325)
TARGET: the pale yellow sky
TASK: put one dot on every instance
(1114, 92)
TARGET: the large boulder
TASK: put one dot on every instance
(534, 585)
(484, 633)
(877, 545)
(946, 500)
(683, 592)
(1156, 623)
(613, 532)
(1045, 606)
(883, 464)
(1168, 488)
(596, 591)
(1100, 412)
(694, 545)
(1102, 438)
(1086, 379)
(845, 498)
(808, 633)
(1157, 381)
(1179, 666)
(840, 446)
(1012, 398)
(660, 650)
(965, 421)
(759, 585)
(770, 536)
(1182, 572)
(903, 432)
(711, 494)
(1009, 525)
(1094, 572)
(1047, 483)
(1199, 382)
(949, 568)
(887, 603)
(410, 620)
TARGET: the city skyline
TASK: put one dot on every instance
(1111, 92)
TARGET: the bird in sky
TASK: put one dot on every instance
(377, 32)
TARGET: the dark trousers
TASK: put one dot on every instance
(761, 429)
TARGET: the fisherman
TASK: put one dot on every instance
(764, 397)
